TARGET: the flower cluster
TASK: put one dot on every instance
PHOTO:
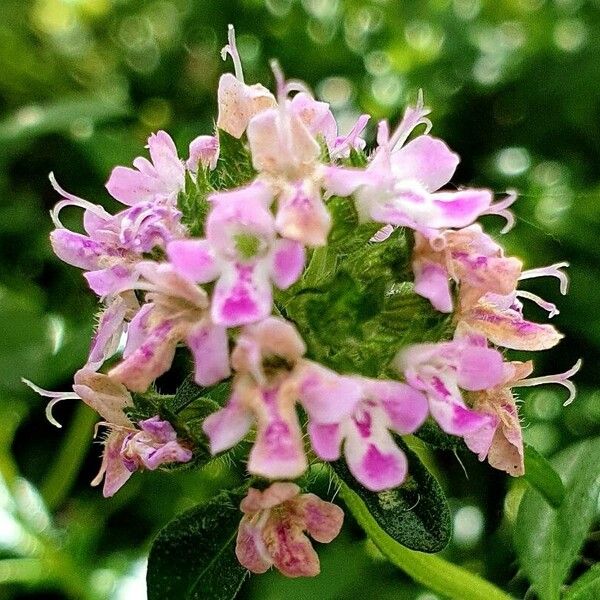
(160, 289)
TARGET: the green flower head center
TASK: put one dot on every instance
(247, 245)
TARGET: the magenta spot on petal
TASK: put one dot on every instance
(380, 468)
(439, 387)
(362, 419)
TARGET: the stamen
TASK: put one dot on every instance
(550, 271)
(350, 139)
(231, 49)
(550, 308)
(56, 397)
(560, 379)
(72, 200)
(501, 209)
(413, 117)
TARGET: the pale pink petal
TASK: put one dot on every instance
(302, 215)
(480, 440)
(373, 457)
(288, 259)
(112, 280)
(278, 144)
(344, 181)
(426, 159)
(479, 368)
(326, 440)
(508, 328)
(238, 103)
(107, 336)
(242, 295)
(193, 259)
(76, 249)
(277, 493)
(137, 331)
(323, 520)
(250, 548)
(431, 282)
(130, 186)
(228, 426)
(278, 452)
(103, 395)
(326, 396)
(113, 470)
(291, 550)
(210, 348)
(316, 116)
(405, 407)
(169, 168)
(458, 209)
(204, 151)
(506, 451)
(150, 360)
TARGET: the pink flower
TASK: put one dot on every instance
(239, 102)
(500, 319)
(159, 180)
(269, 380)
(441, 369)
(469, 257)
(126, 449)
(114, 244)
(204, 152)
(369, 449)
(175, 310)
(286, 156)
(242, 252)
(154, 445)
(112, 324)
(272, 530)
(501, 440)
(320, 122)
(399, 186)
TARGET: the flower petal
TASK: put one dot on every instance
(112, 280)
(405, 407)
(210, 348)
(302, 215)
(326, 396)
(291, 550)
(508, 328)
(113, 469)
(426, 159)
(150, 360)
(107, 336)
(458, 209)
(323, 520)
(130, 186)
(169, 168)
(431, 282)
(193, 259)
(250, 548)
(242, 295)
(326, 440)
(228, 426)
(288, 259)
(76, 249)
(374, 459)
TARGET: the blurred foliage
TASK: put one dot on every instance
(515, 89)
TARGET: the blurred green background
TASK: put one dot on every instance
(515, 89)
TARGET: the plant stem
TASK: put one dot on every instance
(72, 452)
(432, 571)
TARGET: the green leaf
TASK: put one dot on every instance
(541, 476)
(548, 540)
(193, 557)
(416, 514)
(587, 587)
(432, 571)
